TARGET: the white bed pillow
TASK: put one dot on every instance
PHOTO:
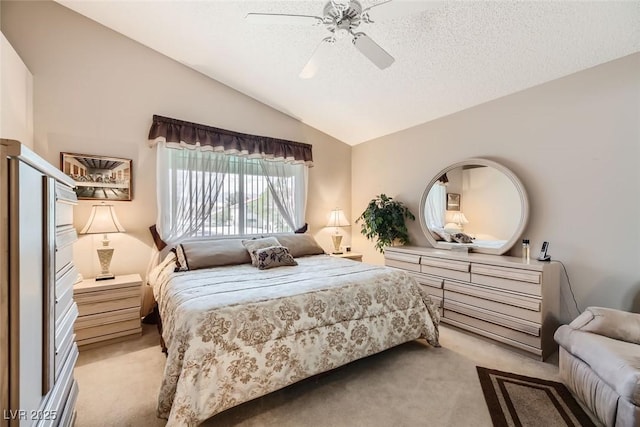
(255, 244)
(157, 270)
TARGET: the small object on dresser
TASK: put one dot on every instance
(526, 250)
(543, 252)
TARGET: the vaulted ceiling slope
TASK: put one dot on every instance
(449, 55)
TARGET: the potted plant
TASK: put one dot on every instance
(384, 220)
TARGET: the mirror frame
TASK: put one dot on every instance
(524, 205)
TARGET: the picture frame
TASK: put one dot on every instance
(99, 177)
(453, 201)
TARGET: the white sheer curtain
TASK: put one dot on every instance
(288, 186)
(189, 182)
(436, 206)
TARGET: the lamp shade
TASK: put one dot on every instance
(337, 219)
(102, 220)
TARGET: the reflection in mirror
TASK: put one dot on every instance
(479, 198)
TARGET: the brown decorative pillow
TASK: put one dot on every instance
(273, 256)
(210, 253)
(462, 238)
(255, 244)
(300, 244)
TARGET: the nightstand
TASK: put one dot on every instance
(108, 310)
(349, 255)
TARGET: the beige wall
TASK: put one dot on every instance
(16, 96)
(95, 93)
(574, 143)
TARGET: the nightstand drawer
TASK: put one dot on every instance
(96, 320)
(108, 300)
(109, 328)
(107, 305)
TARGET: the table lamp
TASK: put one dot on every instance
(337, 219)
(103, 220)
(458, 218)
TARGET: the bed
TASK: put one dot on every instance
(235, 332)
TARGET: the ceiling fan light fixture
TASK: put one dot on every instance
(372, 51)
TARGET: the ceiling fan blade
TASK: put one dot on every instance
(283, 19)
(372, 50)
(379, 3)
(398, 9)
(321, 51)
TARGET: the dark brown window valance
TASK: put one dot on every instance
(178, 133)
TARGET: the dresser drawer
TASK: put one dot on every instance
(57, 399)
(64, 292)
(403, 257)
(64, 342)
(507, 284)
(448, 269)
(520, 275)
(516, 305)
(64, 257)
(65, 194)
(63, 303)
(65, 236)
(427, 280)
(496, 332)
(402, 265)
(64, 214)
(68, 413)
(520, 325)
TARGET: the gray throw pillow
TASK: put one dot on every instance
(210, 253)
(300, 244)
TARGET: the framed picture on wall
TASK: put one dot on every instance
(98, 177)
(453, 201)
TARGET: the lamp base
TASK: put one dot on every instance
(337, 239)
(104, 255)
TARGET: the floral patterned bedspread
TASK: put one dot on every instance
(236, 333)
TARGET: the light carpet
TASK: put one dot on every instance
(410, 385)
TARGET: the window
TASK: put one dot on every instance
(206, 193)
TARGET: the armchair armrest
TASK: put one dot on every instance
(615, 324)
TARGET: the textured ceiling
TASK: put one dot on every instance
(449, 55)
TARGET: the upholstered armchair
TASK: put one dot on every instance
(600, 363)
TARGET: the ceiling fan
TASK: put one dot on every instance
(341, 18)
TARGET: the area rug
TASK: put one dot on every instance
(516, 400)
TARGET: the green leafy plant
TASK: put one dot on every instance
(384, 220)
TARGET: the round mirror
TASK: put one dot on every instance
(478, 204)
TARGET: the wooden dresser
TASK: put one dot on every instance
(109, 310)
(37, 311)
(500, 297)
